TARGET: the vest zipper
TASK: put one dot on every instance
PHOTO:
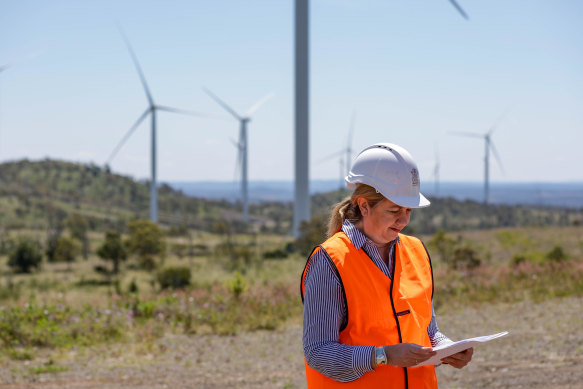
(395, 312)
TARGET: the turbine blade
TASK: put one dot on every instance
(497, 122)
(180, 111)
(127, 135)
(330, 156)
(470, 134)
(222, 104)
(235, 143)
(459, 9)
(9, 65)
(258, 104)
(495, 152)
(137, 64)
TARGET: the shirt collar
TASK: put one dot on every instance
(357, 238)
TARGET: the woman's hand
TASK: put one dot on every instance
(460, 359)
(407, 354)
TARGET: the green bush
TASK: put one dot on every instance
(466, 258)
(275, 254)
(25, 256)
(444, 245)
(237, 285)
(517, 259)
(133, 286)
(557, 254)
(174, 277)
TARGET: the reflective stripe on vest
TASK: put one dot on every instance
(382, 312)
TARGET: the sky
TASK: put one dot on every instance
(412, 72)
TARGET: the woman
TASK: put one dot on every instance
(368, 289)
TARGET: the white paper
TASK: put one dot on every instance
(448, 349)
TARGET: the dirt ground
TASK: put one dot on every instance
(543, 350)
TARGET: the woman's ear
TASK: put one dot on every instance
(362, 205)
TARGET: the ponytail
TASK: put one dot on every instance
(348, 209)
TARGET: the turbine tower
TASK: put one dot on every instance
(436, 172)
(242, 144)
(151, 110)
(488, 145)
(302, 189)
(302, 105)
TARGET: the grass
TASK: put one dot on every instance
(57, 309)
(48, 369)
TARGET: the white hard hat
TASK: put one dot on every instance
(391, 170)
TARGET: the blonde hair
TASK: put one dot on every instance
(348, 208)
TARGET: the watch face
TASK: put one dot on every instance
(380, 355)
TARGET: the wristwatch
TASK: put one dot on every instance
(380, 355)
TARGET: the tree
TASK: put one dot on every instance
(312, 233)
(67, 250)
(112, 249)
(78, 228)
(25, 255)
(146, 240)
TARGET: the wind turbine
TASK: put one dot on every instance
(488, 145)
(301, 116)
(151, 110)
(241, 144)
(345, 154)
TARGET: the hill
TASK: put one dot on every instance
(454, 215)
(36, 194)
(39, 194)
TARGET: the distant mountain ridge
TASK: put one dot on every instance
(41, 195)
(565, 194)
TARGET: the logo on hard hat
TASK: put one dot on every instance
(414, 177)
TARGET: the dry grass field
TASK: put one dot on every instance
(543, 350)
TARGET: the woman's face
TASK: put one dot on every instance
(384, 221)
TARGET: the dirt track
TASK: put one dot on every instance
(544, 350)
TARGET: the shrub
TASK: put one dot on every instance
(275, 254)
(517, 259)
(557, 254)
(25, 256)
(444, 245)
(237, 285)
(174, 277)
(466, 258)
(133, 286)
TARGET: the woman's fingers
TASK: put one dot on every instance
(460, 359)
(408, 354)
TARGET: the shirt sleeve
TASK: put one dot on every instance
(324, 314)
(435, 336)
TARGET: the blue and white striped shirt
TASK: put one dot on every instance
(325, 312)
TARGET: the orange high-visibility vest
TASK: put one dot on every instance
(382, 311)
